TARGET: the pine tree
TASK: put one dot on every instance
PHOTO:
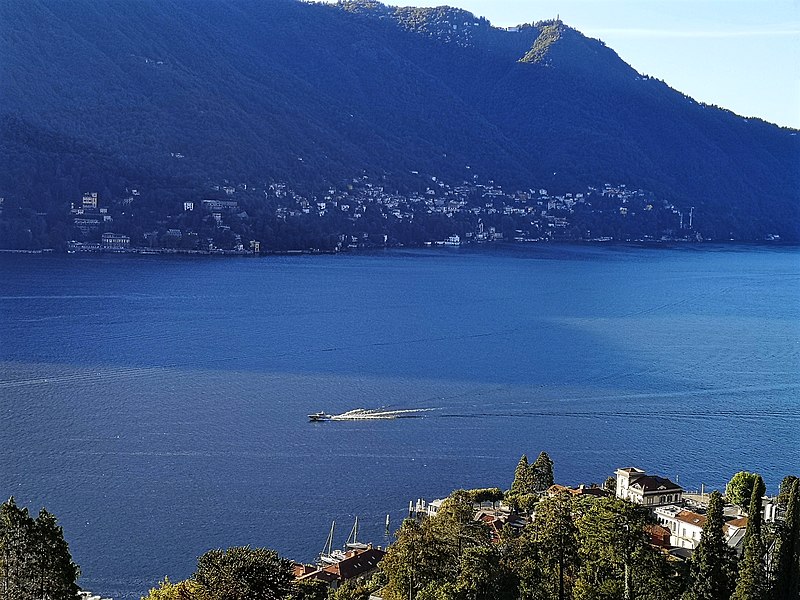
(55, 573)
(615, 558)
(556, 541)
(542, 472)
(787, 583)
(484, 575)
(16, 556)
(34, 558)
(712, 569)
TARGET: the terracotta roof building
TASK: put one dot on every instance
(357, 564)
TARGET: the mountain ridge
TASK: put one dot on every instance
(315, 94)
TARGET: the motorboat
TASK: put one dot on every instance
(320, 416)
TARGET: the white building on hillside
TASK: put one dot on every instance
(686, 527)
(649, 490)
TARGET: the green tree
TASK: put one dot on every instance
(486, 495)
(16, 552)
(34, 557)
(754, 516)
(712, 567)
(523, 482)
(785, 490)
(54, 572)
(350, 591)
(416, 559)
(183, 590)
(787, 570)
(310, 589)
(427, 555)
(456, 527)
(616, 560)
(522, 554)
(16, 545)
(484, 576)
(557, 545)
(243, 573)
(740, 489)
(542, 472)
(752, 581)
(436, 591)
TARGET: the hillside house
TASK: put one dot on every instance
(648, 490)
(356, 565)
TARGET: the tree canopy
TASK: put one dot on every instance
(542, 472)
(785, 490)
(243, 572)
(35, 562)
(713, 562)
(740, 489)
(787, 569)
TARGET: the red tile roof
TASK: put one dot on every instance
(357, 563)
(691, 518)
(740, 522)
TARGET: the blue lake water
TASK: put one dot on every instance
(157, 405)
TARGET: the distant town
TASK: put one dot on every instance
(245, 219)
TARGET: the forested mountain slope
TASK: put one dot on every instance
(102, 95)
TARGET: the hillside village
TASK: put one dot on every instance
(676, 520)
(250, 219)
(638, 535)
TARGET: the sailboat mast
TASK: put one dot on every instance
(326, 551)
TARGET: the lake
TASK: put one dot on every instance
(157, 405)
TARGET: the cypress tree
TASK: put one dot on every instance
(785, 490)
(522, 478)
(787, 582)
(754, 516)
(752, 581)
(712, 569)
(542, 472)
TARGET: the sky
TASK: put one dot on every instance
(743, 55)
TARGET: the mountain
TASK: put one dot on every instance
(170, 96)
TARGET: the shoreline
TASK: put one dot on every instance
(430, 246)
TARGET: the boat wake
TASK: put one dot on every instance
(360, 414)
